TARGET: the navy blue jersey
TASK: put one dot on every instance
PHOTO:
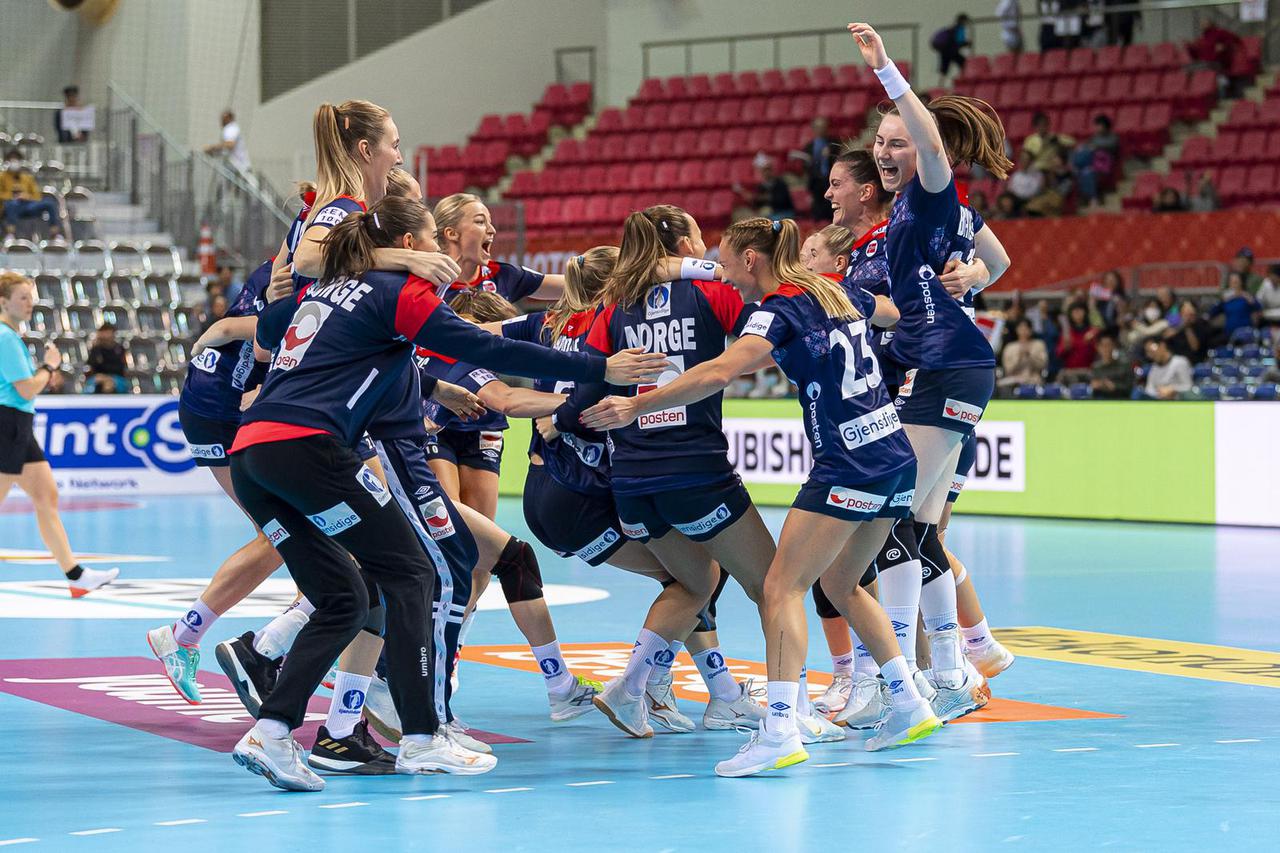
(869, 270)
(510, 282)
(850, 422)
(578, 461)
(326, 217)
(925, 231)
(217, 377)
(401, 417)
(687, 320)
(467, 376)
(345, 357)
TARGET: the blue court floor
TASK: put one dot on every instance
(1166, 635)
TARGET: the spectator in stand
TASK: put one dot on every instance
(1111, 293)
(1168, 303)
(1006, 206)
(1168, 200)
(1243, 264)
(770, 197)
(1027, 181)
(232, 145)
(818, 160)
(1096, 159)
(70, 100)
(1120, 25)
(1190, 335)
(950, 43)
(1010, 14)
(978, 201)
(1112, 376)
(1205, 197)
(1059, 184)
(105, 366)
(1043, 144)
(1269, 297)
(1068, 22)
(1216, 48)
(1151, 323)
(217, 310)
(1238, 309)
(1076, 349)
(1169, 376)
(1045, 319)
(23, 198)
(1024, 358)
(1272, 373)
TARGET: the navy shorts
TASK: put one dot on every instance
(467, 448)
(968, 454)
(208, 439)
(700, 512)
(889, 497)
(18, 445)
(365, 449)
(951, 399)
(570, 523)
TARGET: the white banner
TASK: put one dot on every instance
(103, 444)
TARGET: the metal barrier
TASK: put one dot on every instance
(82, 162)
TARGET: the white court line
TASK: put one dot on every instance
(674, 776)
(426, 797)
(102, 831)
(832, 764)
(506, 790)
(587, 784)
(263, 814)
(909, 760)
(991, 754)
(1240, 740)
(1154, 745)
(343, 805)
(1078, 749)
(183, 822)
(6, 842)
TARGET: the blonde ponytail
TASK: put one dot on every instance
(780, 243)
(337, 131)
(585, 276)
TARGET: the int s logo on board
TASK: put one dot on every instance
(145, 436)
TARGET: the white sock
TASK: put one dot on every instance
(900, 594)
(938, 609)
(272, 728)
(904, 628)
(902, 689)
(842, 664)
(802, 694)
(863, 662)
(663, 660)
(977, 636)
(349, 690)
(278, 636)
(715, 674)
(555, 674)
(190, 628)
(642, 657)
(779, 719)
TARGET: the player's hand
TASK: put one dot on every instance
(437, 268)
(634, 365)
(281, 283)
(202, 342)
(458, 400)
(247, 398)
(870, 45)
(431, 426)
(52, 356)
(958, 277)
(546, 428)
(610, 413)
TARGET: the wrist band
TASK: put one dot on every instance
(895, 85)
(698, 269)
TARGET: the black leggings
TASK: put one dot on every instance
(321, 507)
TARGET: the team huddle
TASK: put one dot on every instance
(350, 404)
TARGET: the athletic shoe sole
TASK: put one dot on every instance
(350, 768)
(919, 731)
(176, 688)
(240, 681)
(608, 712)
(255, 765)
(781, 763)
(452, 770)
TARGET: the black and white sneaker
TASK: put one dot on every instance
(357, 753)
(253, 675)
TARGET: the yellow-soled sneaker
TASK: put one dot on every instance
(903, 726)
(763, 752)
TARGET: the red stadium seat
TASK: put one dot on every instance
(1082, 60)
(490, 128)
(798, 81)
(724, 85)
(573, 212)
(1269, 115)
(655, 116)
(592, 179)
(1055, 62)
(1118, 90)
(778, 109)
(716, 174)
(728, 112)
(595, 149)
(1012, 95)
(667, 176)
(679, 115)
(1092, 91)
(1146, 87)
(1244, 114)
(986, 91)
(692, 174)
(772, 82)
(849, 77)
(749, 83)
(636, 148)
(1076, 123)
(1108, 58)
(640, 176)
(523, 185)
(596, 213)
(1136, 57)
(1169, 55)
(1253, 146)
(1028, 65)
(1224, 147)
(684, 144)
(1017, 125)
(1145, 187)
(1002, 67)
(661, 143)
(1196, 151)
(651, 90)
(610, 121)
(978, 68)
(677, 89)
(735, 141)
(805, 108)
(1233, 186)
(828, 106)
(758, 139)
(719, 206)
(753, 110)
(699, 87)
(1156, 119)
(568, 151)
(1038, 93)
(1261, 183)
(1064, 92)
(619, 208)
(612, 149)
(823, 79)
(711, 145)
(697, 203)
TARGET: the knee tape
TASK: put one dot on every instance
(826, 610)
(707, 615)
(517, 570)
(933, 558)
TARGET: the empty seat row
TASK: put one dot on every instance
(702, 88)
(1230, 147)
(720, 173)
(1236, 184)
(1082, 61)
(91, 257)
(525, 134)
(608, 211)
(148, 321)
(567, 104)
(1191, 94)
(1247, 114)
(93, 290)
(838, 108)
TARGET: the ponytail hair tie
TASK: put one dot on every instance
(777, 225)
(376, 223)
(346, 122)
(664, 225)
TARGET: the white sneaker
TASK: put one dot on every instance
(763, 752)
(578, 702)
(815, 728)
(727, 716)
(280, 760)
(924, 685)
(442, 755)
(458, 731)
(627, 713)
(663, 707)
(91, 579)
(868, 703)
(990, 659)
(837, 695)
(380, 710)
(903, 726)
(967, 696)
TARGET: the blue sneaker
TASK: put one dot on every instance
(181, 663)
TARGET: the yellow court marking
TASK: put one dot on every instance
(1144, 654)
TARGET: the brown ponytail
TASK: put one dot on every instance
(780, 243)
(862, 168)
(349, 245)
(648, 236)
(585, 277)
(971, 132)
(337, 131)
